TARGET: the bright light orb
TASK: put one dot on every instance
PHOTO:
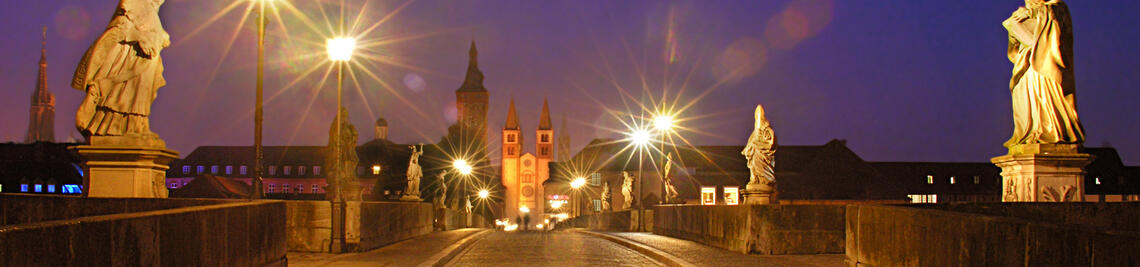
(462, 166)
(578, 182)
(640, 137)
(484, 193)
(340, 49)
(663, 122)
(556, 205)
(524, 209)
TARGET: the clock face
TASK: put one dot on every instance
(527, 191)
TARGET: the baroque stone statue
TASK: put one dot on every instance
(1042, 85)
(121, 73)
(761, 151)
(414, 174)
(606, 197)
(342, 172)
(670, 190)
(627, 190)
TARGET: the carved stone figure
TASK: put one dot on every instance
(414, 173)
(761, 151)
(342, 173)
(442, 189)
(121, 73)
(606, 197)
(1042, 86)
(627, 190)
(670, 190)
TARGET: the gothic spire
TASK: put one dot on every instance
(41, 95)
(544, 119)
(42, 113)
(512, 117)
(473, 82)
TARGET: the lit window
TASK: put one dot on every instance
(39, 188)
(285, 188)
(300, 188)
(597, 205)
(272, 170)
(185, 169)
(952, 181)
(271, 187)
(923, 198)
(173, 185)
(595, 179)
(23, 187)
(1, 187)
(316, 170)
(375, 169)
(315, 188)
(51, 188)
(201, 169)
(288, 170)
(930, 179)
(229, 169)
(1098, 180)
(977, 180)
(214, 169)
(242, 170)
(301, 170)
(71, 189)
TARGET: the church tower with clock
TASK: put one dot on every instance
(471, 100)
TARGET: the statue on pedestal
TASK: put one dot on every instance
(760, 154)
(606, 196)
(120, 75)
(627, 190)
(414, 174)
(670, 190)
(341, 160)
(442, 197)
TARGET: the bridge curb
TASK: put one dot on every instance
(654, 253)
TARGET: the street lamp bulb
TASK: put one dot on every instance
(524, 209)
(340, 48)
(578, 182)
(462, 166)
(640, 137)
(663, 122)
(484, 193)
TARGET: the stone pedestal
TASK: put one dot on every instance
(411, 198)
(758, 194)
(1043, 173)
(122, 166)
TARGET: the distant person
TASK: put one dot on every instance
(526, 223)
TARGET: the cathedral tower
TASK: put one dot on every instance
(41, 122)
(471, 99)
(512, 150)
(544, 148)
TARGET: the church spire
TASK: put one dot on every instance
(544, 119)
(512, 117)
(42, 114)
(473, 82)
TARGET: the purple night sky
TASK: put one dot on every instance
(901, 80)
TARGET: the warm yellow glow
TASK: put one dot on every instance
(484, 193)
(539, 226)
(663, 122)
(340, 49)
(640, 137)
(462, 166)
(578, 182)
(524, 209)
(510, 227)
(556, 204)
(375, 169)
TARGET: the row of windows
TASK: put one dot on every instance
(243, 170)
(48, 188)
(298, 188)
(953, 180)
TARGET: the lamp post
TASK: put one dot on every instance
(663, 123)
(258, 114)
(577, 184)
(465, 170)
(640, 138)
(340, 52)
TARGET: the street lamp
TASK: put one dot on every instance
(640, 139)
(577, 184)
(484, 194)
(257, 110)
(664, 124)
(462, 166)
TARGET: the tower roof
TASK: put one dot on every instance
(512, 117)
(381, 122)
(473, 82)
(544, 119)
(42, 96)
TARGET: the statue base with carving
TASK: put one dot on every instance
(411, 198)
(758, 194)
(1043, 173)
(125, 166)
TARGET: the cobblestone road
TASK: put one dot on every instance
(556, 248)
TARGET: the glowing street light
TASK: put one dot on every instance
(640, 137)
(484, 194)
(663, 123)
(524, 209)
(462, 166)
(578, 182)
(340, 48)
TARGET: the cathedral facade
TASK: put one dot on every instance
(523, 173)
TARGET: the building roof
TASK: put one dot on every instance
(41, 160)
(544, 118)
(381, 122)
(209, 186)
(512, 117)
(473, 82)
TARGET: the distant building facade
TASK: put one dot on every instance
(522, 173)
(40, 168)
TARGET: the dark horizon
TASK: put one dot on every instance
(899, 80)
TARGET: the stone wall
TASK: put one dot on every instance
(606, 221)
(995, 234)
(232, 233)
(368, 224)
(756, 229)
